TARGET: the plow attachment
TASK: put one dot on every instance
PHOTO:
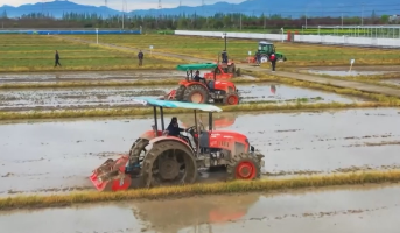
(110, 176)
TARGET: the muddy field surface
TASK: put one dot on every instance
(382, 68)
(49, 77)
(99, 76)
(79, 98)
(393, 81)
(353, 209)
(344, 73)
(60, 156)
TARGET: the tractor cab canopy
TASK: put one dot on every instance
(147, 101)
(201, 66)
(265, 46)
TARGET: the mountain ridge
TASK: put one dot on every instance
(249, 7)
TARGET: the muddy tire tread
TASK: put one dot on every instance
(236, 159)
(179, 92)
(196, 87)
(157, 150)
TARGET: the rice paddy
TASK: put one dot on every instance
(59, 123)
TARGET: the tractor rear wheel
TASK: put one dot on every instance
(231, 99)
(169, 162)
(179, 92)
(238, 72)
(243, 167)
(137, 147)
(196, 93)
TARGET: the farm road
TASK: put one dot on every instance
(310, 78)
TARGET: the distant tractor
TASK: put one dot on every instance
(213, 90)
(266, 49)
(157, 158)
(224, 71)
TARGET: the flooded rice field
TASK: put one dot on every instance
(66, 98)
(364, 209)
(90, 76)
(343, 73)
(51, 156)
(117, 76)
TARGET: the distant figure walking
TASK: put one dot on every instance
(140, 56)
(57, 58)
(273, 61)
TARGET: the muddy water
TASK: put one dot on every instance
(50, 77)
(62, 154)
(393, 81)
(67, 97)
(284, 94)
(113, 76)
(25, 100)
(356, 209)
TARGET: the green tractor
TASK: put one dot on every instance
(266, 49)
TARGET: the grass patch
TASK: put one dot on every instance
(121, 112)
(36, 53)
(200, 189)
(205, 47)
(86, 68)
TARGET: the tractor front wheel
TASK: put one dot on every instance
(231, 99)
(196, 93)
(243, 167)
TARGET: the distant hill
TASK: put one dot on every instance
(295, 8)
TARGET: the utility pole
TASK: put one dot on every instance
(240, 21)
(160, 9)
(124, 7)
(342, 21)
(265, 21)
(307, 18)
(362, 15)
(202, 6)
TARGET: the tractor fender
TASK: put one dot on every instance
(168, 138)
(195, 83)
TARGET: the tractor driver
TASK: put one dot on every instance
(174, 130)
(197, 76)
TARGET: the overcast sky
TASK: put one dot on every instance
(132, 4)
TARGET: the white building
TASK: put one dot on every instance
(394, 18)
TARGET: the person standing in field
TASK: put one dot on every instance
(273, 61)
(140, 56)
(57, 58)
(258, 57)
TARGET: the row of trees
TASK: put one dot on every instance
(218, 21)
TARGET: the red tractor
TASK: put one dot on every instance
(158, 159)
(224, 71)
(214, 90)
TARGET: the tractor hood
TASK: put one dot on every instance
(227, 133)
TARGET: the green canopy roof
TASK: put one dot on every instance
(200, 66)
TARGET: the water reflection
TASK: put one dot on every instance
(194, 214)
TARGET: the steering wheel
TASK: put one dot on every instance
(191, 130)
